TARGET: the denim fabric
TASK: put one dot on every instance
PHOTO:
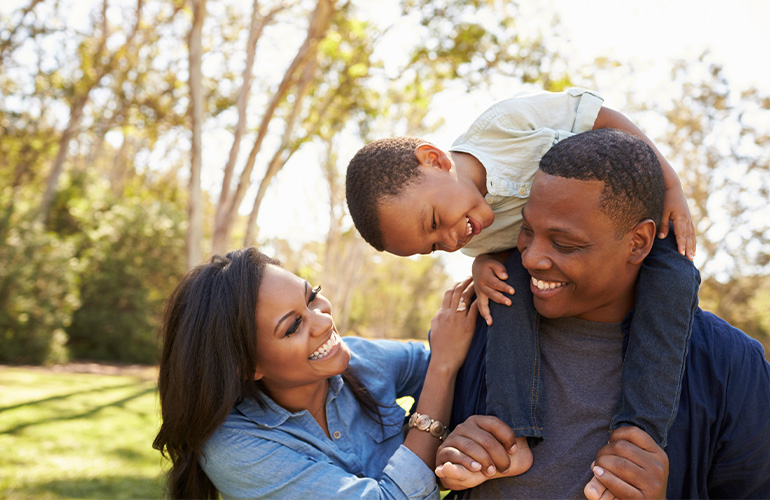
(265, 451)
(513, 377)
(666, 300)
(719, 443)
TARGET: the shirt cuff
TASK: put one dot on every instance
(411, 475)
(587, 110)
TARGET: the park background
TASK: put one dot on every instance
(138, 137)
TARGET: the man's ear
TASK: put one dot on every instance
(642, 238)
(430, 156)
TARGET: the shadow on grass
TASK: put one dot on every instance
(113, 487)
(67, 395)
(85, 414)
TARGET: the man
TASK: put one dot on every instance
(591, 219)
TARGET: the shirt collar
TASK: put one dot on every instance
(267, 414)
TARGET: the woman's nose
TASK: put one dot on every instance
(321, 321)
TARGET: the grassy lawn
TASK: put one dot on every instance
(76, 435)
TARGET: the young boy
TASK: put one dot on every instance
(407, 196)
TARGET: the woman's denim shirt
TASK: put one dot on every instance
(265, 451)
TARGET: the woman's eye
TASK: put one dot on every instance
(433, 223)
(314, 294)
(294, 327)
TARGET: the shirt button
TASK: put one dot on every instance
(522, 191)
(337, 434)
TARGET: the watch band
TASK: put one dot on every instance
(424, 423)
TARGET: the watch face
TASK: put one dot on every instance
(423, 422)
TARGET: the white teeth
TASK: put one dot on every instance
(468, 227)
(547, 285)
(326, 347)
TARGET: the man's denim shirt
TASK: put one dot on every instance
(719, 444)
(268, 452)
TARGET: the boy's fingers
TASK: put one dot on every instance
(664, 224)
(499, 298)
(499, 269)
(483, 303)
(616, 486)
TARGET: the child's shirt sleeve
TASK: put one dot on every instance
(509, 139)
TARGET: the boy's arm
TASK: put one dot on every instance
(675, 205)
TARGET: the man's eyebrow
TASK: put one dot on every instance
(553, 229)
(288, 314)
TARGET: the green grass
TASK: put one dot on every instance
(72, 435)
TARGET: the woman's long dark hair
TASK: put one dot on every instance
(209, 334)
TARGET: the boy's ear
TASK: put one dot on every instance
(642, 238)
(430, 156)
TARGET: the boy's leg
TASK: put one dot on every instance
(666, 301)
(514, 380)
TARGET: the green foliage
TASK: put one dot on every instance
(75, 435)
(135, 257)
(37, 295)
(396, 297)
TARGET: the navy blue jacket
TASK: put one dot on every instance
(719, 444)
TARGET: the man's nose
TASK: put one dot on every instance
(535, 256)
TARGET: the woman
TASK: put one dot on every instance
(261, 398)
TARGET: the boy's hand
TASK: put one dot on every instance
(631, 465)
(457, 477)
(676, 210)
(489, 277)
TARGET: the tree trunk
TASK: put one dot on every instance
(194, 244)
(319, 23)
(76, 114)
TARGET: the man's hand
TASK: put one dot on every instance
(676, 210)
(489, 277)
(483, 447)
(631, 465)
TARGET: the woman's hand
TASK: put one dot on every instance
(453, 325)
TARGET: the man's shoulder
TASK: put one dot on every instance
(718, 342)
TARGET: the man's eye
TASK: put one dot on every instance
(564, 248)
(433, 224)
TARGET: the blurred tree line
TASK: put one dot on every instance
(103, 201)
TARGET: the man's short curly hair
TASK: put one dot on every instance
(381, 169)
(631, 173)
